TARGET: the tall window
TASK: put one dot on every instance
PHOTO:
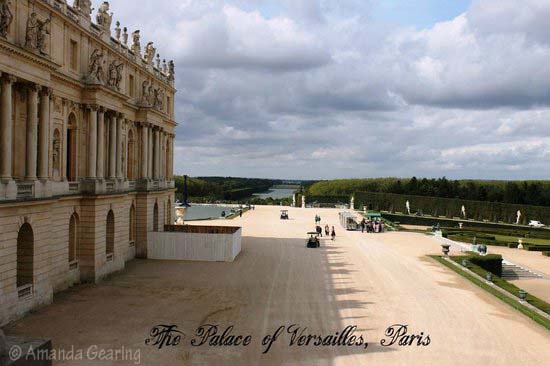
(156, 217)
(71, 149)
(110, 245)
(132, 226)
(73, 54)
(73, 238)
(25, 255)
(131, 156)
(131, 86)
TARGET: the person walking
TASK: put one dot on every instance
(319, 231)
(363, 225)
(327, 230)
(333, 234)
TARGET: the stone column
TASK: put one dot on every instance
(156, 154)
(6, 128)
(150, 153)
(119, 119)
(32, 125)
(92, 142)
(100, 171)
(112, 147)
(144, 150)
(44, 134)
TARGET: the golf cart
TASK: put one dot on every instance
(313, 240)
(284, 214)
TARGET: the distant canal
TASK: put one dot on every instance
(204, 212)
(276, 193)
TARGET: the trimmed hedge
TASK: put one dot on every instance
(328, 199)
(490, 262)
(536, 248)
(452, 207)
(547, 254)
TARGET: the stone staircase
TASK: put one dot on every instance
(515, 272)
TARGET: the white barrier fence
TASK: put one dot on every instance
(195, 243)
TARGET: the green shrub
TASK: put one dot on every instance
(490, 262)
(546, 254)
(536, 248)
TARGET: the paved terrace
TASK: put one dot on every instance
(371, 281)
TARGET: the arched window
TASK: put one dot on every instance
(73, 241)
(71, 167)
(25, 256)
(132, 226)
(110, 244)
(156, 217)
(131, 156)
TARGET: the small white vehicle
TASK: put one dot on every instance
(534, 223)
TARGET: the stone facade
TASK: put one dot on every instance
(86, 149)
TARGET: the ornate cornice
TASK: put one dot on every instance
(29, 56)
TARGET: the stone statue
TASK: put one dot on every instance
(158, 100)
(115, 74)
(103, 18)
(56, 152)
(157, 61)
(408, 206)
(463, 211)
(171, 70)
(136, 45)
(31, 35)
(117, 31)
(43, 32)
(352, 203)
(146, 89)
(125, 36)
(164, 67)
(84, 6)
(95, 69)
(6, 17)
(150, 52)
(303, 201)
(518, 217)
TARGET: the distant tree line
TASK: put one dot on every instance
(212, 189)
(535, 193)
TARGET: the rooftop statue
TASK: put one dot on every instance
(6, 17)
(136, 45)
(150, 52)
(171, 70)
(104, 19)
(84, 6)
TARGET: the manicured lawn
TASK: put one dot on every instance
(513, 303)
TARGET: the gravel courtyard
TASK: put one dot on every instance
(370, 281)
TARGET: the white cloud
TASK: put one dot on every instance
(311, 89)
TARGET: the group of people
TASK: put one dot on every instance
(372, 226)
(328, 230)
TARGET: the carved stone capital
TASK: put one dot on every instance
(32, 87)
(102, 109)
(92, 107)
(46, 91)
(8, 79)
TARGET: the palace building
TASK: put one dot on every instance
(86, 148)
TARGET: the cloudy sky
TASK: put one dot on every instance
(356, 88)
